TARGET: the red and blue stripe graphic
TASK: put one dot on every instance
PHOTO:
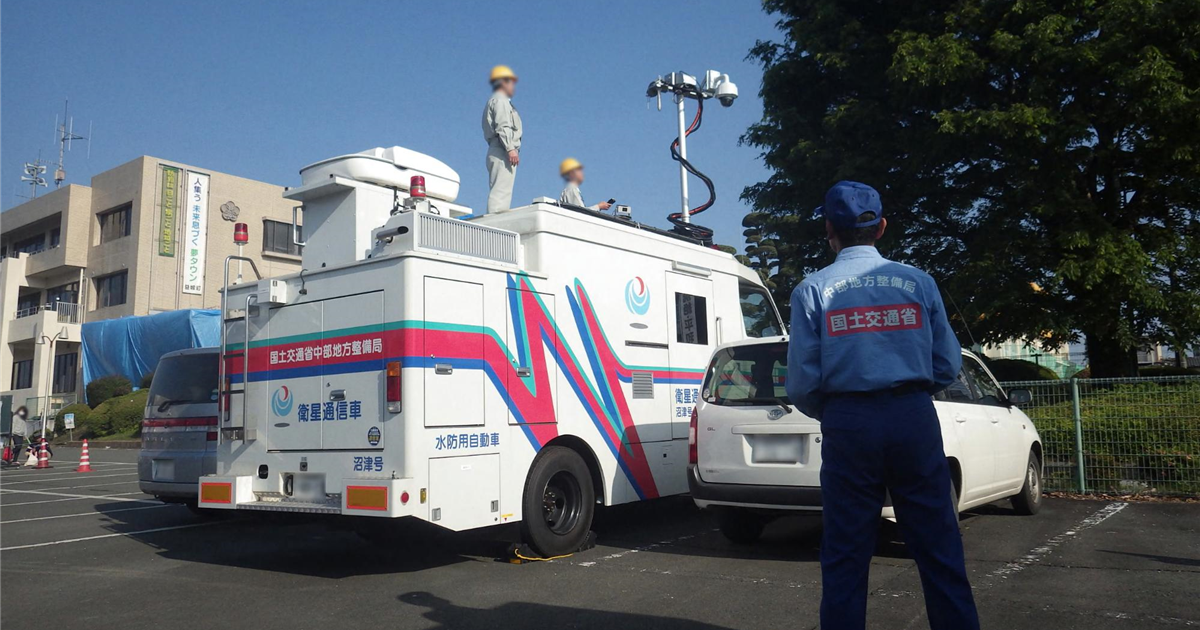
(528, 398)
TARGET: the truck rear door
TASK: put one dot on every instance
(295, 386)
(353, 372)
(326, 374)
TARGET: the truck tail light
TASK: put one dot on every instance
(416, 186)
(393, 386)
(692, 456)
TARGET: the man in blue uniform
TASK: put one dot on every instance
(870, 344)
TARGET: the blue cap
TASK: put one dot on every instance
(847, 201)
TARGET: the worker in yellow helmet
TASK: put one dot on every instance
(572, 171)
(502, 131)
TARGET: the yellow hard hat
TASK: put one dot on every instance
(568, 165)
(503, 72)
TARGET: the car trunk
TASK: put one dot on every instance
(746, 431)
(180, 423)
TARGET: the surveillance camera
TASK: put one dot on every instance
(727, 92)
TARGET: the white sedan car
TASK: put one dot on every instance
(753, 456)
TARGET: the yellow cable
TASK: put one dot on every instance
(518, 555)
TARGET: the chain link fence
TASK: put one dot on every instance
(1118, 435)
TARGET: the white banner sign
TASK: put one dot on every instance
(195, 233)
(69, 420)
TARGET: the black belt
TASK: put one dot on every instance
(902, 389)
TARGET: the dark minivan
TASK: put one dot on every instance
(179, 429)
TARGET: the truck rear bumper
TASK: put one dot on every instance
(747, 495)
(357, 497)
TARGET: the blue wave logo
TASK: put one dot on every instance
(281, 402)
(637, 296)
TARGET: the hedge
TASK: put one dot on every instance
(81, 412)
(1020, 370)
(120, 415)
(101, 389)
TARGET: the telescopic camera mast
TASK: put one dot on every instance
(684, 86)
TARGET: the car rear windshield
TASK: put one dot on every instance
(748, 375)
(185, 379)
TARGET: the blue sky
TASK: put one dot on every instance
(259, 89)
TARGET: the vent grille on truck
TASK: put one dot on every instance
(643, 385)
(460, 237)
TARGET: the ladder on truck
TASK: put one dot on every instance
(225, 391)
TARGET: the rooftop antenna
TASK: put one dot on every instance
(64, 134)
(33, 174)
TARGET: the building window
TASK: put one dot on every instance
(110, 290)
(115, 223)
(28, 304)
(691, 319)
(277, 238)
(55, 237)
(68, 293)
(31, 245)
(66, 368)
(22, 377)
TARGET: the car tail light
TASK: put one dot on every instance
(393, 386)
(692, 455)
(211, 436)
(416, 186)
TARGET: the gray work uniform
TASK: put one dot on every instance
(571, 195)
(502, 131)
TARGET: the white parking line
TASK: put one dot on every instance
(78, 497)
(66, 476)
(92, 513)
(93, 485)
(1036, 554)
(74, 496)
(87, 538)
(61, 462)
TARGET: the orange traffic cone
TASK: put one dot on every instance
(85, 460)
(43, 456)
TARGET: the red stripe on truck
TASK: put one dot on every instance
(181, 422)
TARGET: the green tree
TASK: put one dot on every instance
(1040, 159)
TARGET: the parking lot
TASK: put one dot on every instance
(88, 551)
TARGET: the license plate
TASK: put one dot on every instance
(163, 469)
(776, 449)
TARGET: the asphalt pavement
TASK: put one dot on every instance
(87, 550)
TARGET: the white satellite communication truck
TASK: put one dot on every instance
(522, 366)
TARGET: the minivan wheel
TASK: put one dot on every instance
(740, 525)
(558, 503)
(1028, 501)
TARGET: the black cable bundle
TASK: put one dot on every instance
(698, 232)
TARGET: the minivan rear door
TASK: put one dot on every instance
(746, 431)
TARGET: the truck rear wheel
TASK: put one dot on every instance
(558, 503)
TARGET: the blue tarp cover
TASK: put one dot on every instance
(131, 346)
